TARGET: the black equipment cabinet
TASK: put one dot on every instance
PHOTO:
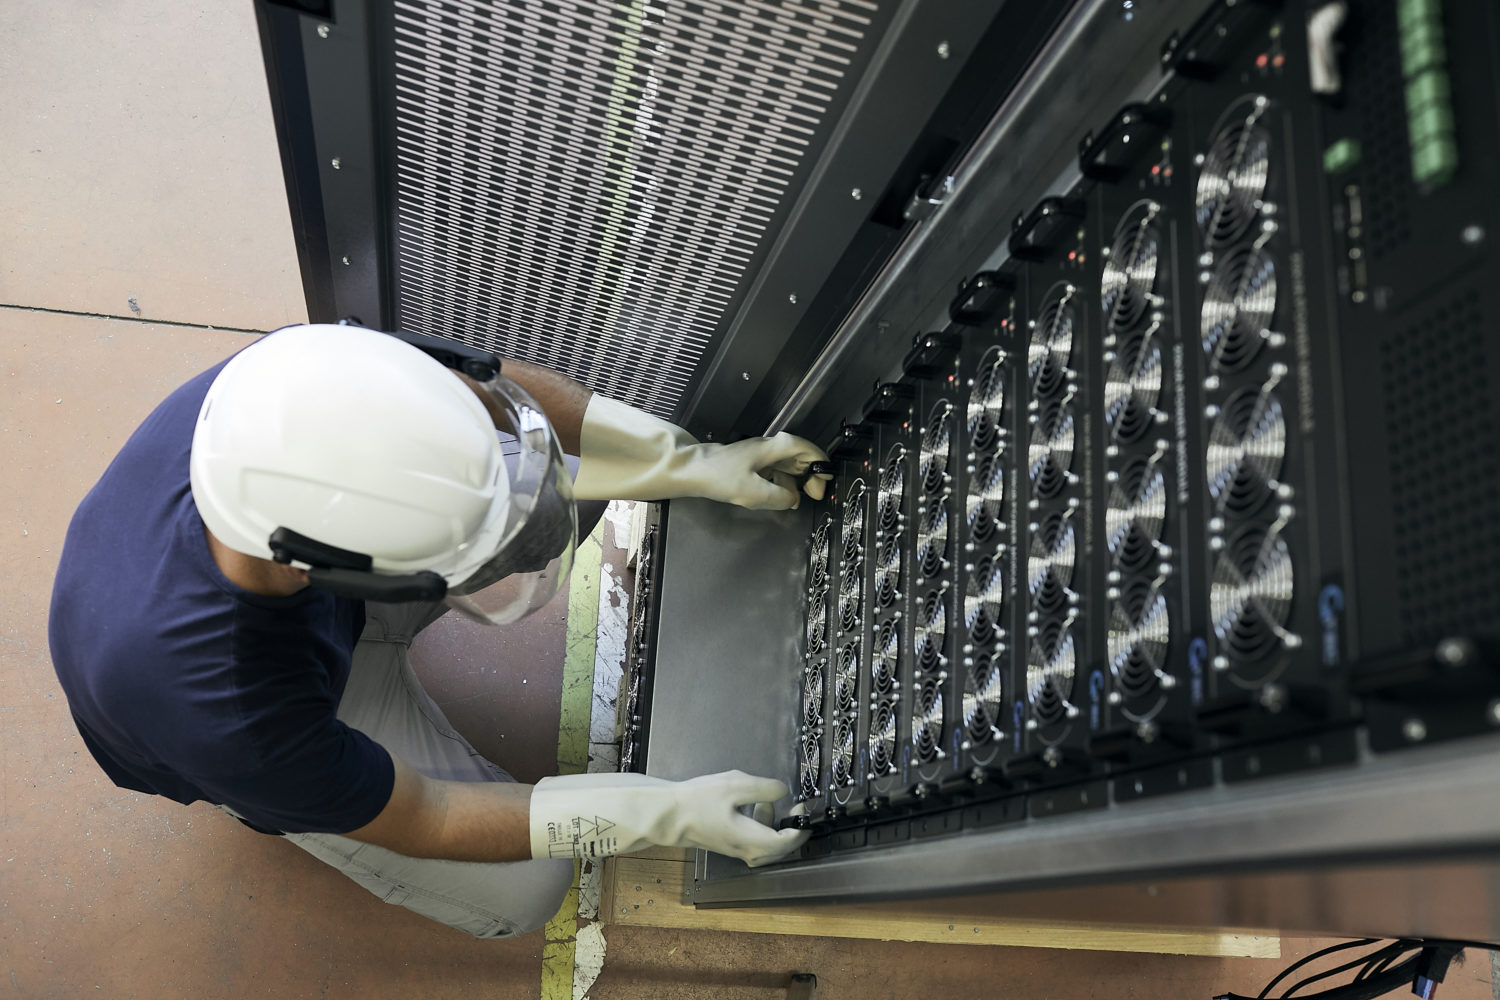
(1154, 347)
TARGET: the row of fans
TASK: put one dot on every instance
(1051, 659)
(985, 653)
(1252, 584)
(1134, 308)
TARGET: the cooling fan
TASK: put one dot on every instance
(817, 574)
(932, 539)
(1250, 598)
(927, 721)
(846, 678)
(1136, 513)
(1051, 343)
(983, 700)
(888, 570)
(885, 662)
(987, 402)
(1234, 173)
(982, 602)
(1246, 447)
(1128, 285)
(812, 696)
(1133, 386)
(1050, 668)
(882, 742)
(807, 769)
(853, 523)
(1239, 304)
(851, 602)
(1050, 451)
(931, 630)
(1139, 631)
(841, 757)
(1049, 568)
(932, 455)
(892, 493)
(986, 497)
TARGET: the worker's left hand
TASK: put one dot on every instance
(628, 454)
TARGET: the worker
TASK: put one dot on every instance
(236, 596)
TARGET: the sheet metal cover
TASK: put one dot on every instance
(586, 185)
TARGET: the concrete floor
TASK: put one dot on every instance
(144, 236)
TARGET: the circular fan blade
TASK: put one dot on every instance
(927, 721)
(931, 630)
(1050, 667)
(1139, 630)
(983, 700)
(1049, 568)
(854, 520)
(1239, 305)
(987, 399)
(885, 663)
(841, 764)
(882, 740)
(1132, 388)
(1052, 341)
(1245, 450)
(891, 498)
(1050, 453)
(932, 464)
(812, 697)
(1137, 503)
(807, 770)
(1232, 180)
(1129, 280)
(932, 539)
(1251, 594)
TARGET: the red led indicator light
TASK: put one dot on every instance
(1072, 254)
(1261, 60)
(1279, 61)
(1156, 170)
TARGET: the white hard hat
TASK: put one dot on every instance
(357, 456)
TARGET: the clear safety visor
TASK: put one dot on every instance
(532, 554)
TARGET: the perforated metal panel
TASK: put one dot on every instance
(586, 186)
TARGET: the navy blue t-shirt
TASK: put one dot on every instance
(185, 685)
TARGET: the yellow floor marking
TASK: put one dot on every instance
(573, 745)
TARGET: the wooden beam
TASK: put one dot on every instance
(652, 891)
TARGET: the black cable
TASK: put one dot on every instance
(1312, 958)
(1381, 959)
(1389, 953)
(1376, 986)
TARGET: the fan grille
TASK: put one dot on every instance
(1129, 280)
(1238, 307)
(1233, 177)
(587, 186)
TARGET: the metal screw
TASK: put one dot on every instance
(792, 298)
(1473, 235)
(346, 261)
(745, 376)
(856, 194)
(1414, 730)
(336, 163)
(1494, 712)
(1453, 652)
(943, 50)
(322, 31)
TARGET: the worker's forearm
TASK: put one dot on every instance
(561, 398)
(452, 820)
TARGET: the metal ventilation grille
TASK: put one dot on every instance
(585, 186)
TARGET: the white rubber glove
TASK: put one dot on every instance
(627, 454)
(593, 815)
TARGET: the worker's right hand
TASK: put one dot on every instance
(628, 454)
(593, 815)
